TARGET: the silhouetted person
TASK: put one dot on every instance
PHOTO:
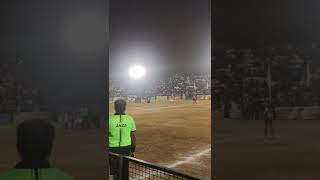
(34, 145)
(227, 108)
(269, 116)
(194, 99)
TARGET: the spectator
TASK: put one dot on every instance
(34, 145)
(177, 84)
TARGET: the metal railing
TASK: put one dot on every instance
(136, 169)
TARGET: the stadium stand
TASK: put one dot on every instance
(15, 95)
(182, 85)
(18, 99)
(243, 77)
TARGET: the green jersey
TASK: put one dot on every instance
(32, 174)
(120, 128)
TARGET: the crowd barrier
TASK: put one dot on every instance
(307, 112)
(204, 97)
(22, 116)
(132, 168)
(285, 113)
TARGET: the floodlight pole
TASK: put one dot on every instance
(270, 95)
(269, 81)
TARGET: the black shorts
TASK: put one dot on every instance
(114, 163)
(268, 121)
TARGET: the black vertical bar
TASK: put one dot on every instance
(120, 168)
(36, 174)
(125, 169)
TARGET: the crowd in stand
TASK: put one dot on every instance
(78, 117)
(177, 85)
(14, 94)
(251, 78)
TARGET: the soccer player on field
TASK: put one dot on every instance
(65, 120)
(194, 99)
(122, 138)
(171, 99)
(269, 115)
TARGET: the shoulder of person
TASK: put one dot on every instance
(130, 117)
(7, 175)
(61, 174)
(21, 174)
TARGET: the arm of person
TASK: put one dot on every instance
(133, 137)
(133, 141)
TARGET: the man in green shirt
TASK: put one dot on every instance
(34, 144)
(122, 139)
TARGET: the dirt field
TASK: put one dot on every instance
(242, 153)
(79, 153)
(176, 135)
(168, 134)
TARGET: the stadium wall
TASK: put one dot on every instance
(18, 117)
(298, 113)
(5, 118)
(204, 97)
(286, 113)
(161, 98)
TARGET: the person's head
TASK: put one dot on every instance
(34, 140)
(120, 106)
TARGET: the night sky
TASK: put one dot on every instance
(165, 36)
(250, 23)
(63, 47)
(62, 43)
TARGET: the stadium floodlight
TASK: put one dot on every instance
(136, 72)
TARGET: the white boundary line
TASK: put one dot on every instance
(190, 159)
(187, 160)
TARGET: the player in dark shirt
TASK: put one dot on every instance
(269, 116)
(194, 99)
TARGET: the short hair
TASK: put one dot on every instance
(35, 139)
(120, 106)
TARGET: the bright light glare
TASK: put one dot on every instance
(137, 72)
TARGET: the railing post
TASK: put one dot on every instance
(123, 168)
(120, 169)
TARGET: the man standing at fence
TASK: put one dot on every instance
(122, 139)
